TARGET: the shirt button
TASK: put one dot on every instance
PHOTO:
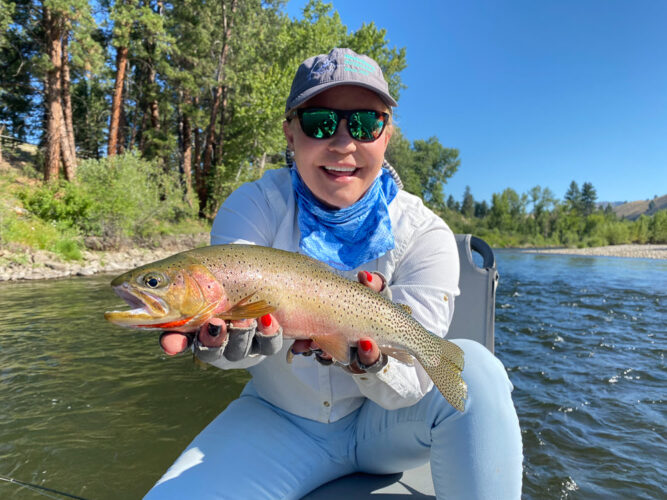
(327, 404)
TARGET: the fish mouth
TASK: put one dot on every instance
(147, 309)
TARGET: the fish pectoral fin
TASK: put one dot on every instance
(399, 354)
(336, 345)
(206, 312)
(244, 310)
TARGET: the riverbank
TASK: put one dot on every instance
(628, 251)
(22, 263)
(28, 264)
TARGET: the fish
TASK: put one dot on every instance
(308, 299)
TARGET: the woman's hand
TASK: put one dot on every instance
(368, 352)
(234, 340)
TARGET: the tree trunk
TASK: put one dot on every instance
(53, 34)
(186, 138)
(68, 147)
(117, 101)
(122, 131)
(215, 107)
(220, 139)
(153, 108)
(2, 131)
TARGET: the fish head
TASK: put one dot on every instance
(176, 294)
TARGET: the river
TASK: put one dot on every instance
(99, 412)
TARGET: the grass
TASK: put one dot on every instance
(21, 228)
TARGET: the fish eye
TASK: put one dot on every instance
(153, 280)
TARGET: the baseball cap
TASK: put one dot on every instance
(341, 66)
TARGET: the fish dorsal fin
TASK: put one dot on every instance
(406, 308)
(244, 310)
(336, 345)
(399, 354)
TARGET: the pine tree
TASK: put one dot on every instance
(573, 197)
(468, 203)
(588, 198)
(67, 26)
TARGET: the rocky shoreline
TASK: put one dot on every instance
(27, 264)
(628, 251)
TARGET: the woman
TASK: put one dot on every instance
(297, 426)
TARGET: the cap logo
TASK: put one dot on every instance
(358, 65)
(321, 68)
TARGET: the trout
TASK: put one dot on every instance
(309, 301)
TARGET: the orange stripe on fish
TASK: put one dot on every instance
(172, 324)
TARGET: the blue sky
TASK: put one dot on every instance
(533, 92)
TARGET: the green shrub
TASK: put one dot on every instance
(641, 232)
(658, 227)
(131, 196)
(594, 241)
(570, 239)
(69, 249)
(616, 233)
(65, 203)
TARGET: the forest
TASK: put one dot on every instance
(145, 115)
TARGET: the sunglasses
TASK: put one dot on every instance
(364, 125)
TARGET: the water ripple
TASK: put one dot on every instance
(586, 357)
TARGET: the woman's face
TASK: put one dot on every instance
(338, 170)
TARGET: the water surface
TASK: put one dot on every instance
(100, 412)
(584, 339)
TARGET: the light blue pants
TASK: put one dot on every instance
(254, 450)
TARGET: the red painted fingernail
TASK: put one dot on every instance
(266, 320)
(365, 345)
(369, 276)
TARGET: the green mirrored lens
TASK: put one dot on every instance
(366, 125)
(319, 123)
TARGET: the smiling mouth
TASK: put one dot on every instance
(339, 171)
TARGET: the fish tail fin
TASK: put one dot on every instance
(444, 365)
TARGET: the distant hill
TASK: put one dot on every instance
(633, 209)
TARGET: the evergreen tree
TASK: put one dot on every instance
(588, 198)
(6, 12)
(66, 40)
(20, 110)
(573, 197)
(452, 204)
(481, 209)
(468, 203)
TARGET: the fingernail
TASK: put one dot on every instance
(369, 276)
(266, 320)
(365, 345)
(214, 330)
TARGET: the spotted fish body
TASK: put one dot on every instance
(183, 291)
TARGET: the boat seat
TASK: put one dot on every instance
(474, 316)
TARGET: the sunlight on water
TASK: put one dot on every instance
(100, 412)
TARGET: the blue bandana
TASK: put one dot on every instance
(348, 237)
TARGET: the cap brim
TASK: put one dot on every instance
(313, 91)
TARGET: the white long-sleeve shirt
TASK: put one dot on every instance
(422, 271)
